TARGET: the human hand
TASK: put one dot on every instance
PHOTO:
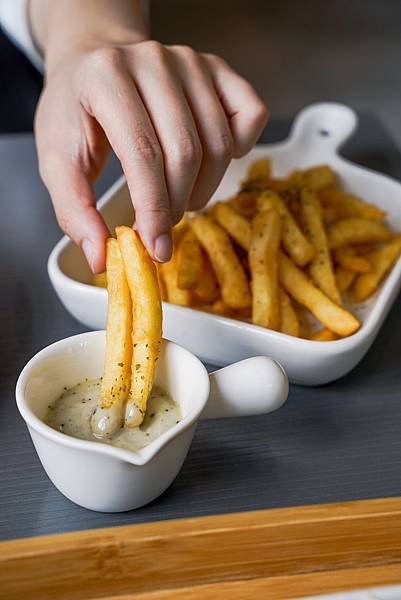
(174, 117)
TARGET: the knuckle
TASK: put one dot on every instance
(186, 152)
(146, 149)
(103, 58)
(64, 221)
(259, 113)
(154, 48)
(186, 51)
(221, 149)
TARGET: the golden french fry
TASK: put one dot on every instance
(207, 289)
(175, 295)
(347, 257)
(299, 287)
(237, 226)
(265, 242)
(381, 260)
(314, 178)
(189, 261)
(147, 321)
(293, 239)
(347, 205)
(217, 308)
(355, 230)
(162, 285)
(100, 280)
(289, 319)
(107, 418)
(330, 214)
(259, 168)
(117, 366)
(324, 335)
(225, 263)
(344, 279)
(244, 204)
(320, 267)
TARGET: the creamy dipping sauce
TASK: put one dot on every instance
(71, 414)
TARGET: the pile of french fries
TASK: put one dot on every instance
(285, 254)
(133, 334)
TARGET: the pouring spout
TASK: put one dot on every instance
(254, 386)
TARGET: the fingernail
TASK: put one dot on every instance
(88, 250)
(163, 247)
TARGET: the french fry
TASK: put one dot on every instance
(299, 287)
(116, 379)
(344, 279)
(355, 230)
(289, 320)
(314, 178)
(381, 260)
(259, 168)
(175, 294)
(162, 285)
(265, 242)
(100, 280)
(189, 261)
(147, 322)
(346, 257)
(294, 241)
(244, 204)
(225, 263)
(217, 308)
(207, 289)
(347, 205)
(237, 226)
(330, 214)
(320, 267)
(324, 335)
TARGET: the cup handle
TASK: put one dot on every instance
(323, 127)
(254, 386)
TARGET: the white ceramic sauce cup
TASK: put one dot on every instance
(109, 479)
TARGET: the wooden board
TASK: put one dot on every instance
(280, 553)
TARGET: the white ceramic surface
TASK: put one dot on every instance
(315, 138)
(108, 479)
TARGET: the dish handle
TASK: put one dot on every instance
(323, 127)
(253, 386)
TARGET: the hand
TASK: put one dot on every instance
(174, 117)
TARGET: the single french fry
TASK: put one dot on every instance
(237, 226)
(244, 204)
(347, 205)
(381, 260)
(259, 168)
(207, 289)
(324, 335)
(147, 322)
(116, 378)
(299, 287)
(355, 230)
(347, 257)
(100, 280)
(175, 294)
(217, 308)
(263, 250)
(330, 214)
(320, 267)
(293, 239)
(189, 261)
(314, 178)
(344, 279)
(288, 317)
(160, 279)
(225, 263)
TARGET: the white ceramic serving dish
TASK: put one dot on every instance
(316, 135)
(109, 479)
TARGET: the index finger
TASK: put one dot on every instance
(113, 100)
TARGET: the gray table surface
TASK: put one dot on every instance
(334, 443)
